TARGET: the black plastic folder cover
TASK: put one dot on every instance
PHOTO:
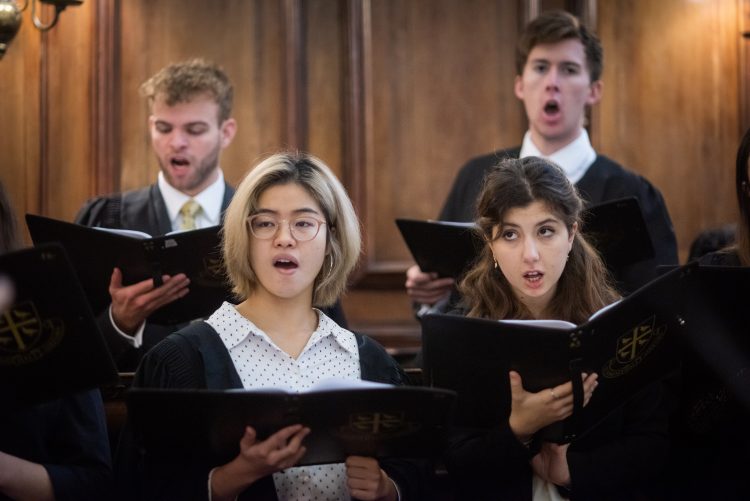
(718, 314)
(49, 342)
(380, 422)
(95, 252)
(629, 345)
(443, 247)
(616, 228)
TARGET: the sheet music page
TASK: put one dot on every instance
(550, 324)
(127, 233)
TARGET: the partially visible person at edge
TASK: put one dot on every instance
(57, 449)
(709, 452)
(291, 239)
(536, 264)
(559, 64)
(190, 124)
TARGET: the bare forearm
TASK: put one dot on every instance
(21, 479)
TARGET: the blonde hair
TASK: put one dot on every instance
(344, 240)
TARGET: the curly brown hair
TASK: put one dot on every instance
(181, 82)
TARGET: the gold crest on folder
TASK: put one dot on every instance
(25, 337)
(633, 346)
(380, 424)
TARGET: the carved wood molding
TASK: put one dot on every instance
(105, 106)
(295, 74)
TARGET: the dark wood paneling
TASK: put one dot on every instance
(67, 110)
(394, 94)
(244, 37)
(106, 111)
(670, 104)
(436, 86)
(325, 95)
(744, 63)
(440, 91)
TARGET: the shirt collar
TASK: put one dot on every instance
(574, 158)
(210, 199)
(326, 327)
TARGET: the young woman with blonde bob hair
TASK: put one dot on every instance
(291, 239)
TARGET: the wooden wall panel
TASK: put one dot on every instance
(670, 106)
(438, 89)
(441, 91)
(324, 87)
(19, 127)
(67, 110)
(244, 37)
(394, 94)
(45, 131)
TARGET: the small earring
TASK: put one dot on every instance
(495, 260)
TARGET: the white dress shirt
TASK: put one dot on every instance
(210, 200)
(575, 158)
(331, 351)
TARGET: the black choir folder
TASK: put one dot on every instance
(630, 344)
(50, 344)
(96, 251)
(719, 337)
(444, 247)
(371, 419)
(616, 228)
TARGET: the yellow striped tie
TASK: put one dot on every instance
(188, 212)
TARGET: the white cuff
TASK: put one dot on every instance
(136, 340)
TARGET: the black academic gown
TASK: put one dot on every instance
(605, 180)
(144, 210)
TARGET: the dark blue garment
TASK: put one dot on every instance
(68, 436)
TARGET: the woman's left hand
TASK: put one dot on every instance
(552, 464)
(367, 481)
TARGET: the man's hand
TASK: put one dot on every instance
(132, 304)
(426, 288)
(367, 481)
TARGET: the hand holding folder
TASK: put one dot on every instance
(96, 252)
(369, 419)
(629, 345)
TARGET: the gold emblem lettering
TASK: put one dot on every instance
(19, 328)
(630, 344)
(634, 346)
(25, 336)
(377, 422)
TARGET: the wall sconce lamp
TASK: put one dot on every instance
(10, 18)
